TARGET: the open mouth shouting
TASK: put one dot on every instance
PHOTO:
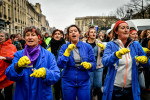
(74, 36)
(30, 41)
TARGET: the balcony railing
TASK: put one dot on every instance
(9, 18)
(0, 14)
(5, 16)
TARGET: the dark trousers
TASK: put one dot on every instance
(57, 90)
(7, 93)
(122, 93)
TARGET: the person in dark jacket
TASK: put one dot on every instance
(21, 40)
(55, 44)
(34, 69)
(77, 60)
(15, 41)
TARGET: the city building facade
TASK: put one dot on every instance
(15, 15)
(102, 23)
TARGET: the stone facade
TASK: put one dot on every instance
(15, 15)
(103, 22)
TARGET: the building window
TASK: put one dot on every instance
(18, 15)
(81, 28)
(8, 11)
(82, 22)
(4, 9)
(18, 2)
(22, 3)
(78, 22)
(15, 15)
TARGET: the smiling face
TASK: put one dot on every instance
(2, 38)
(16, 39)
(123, 31)
(134, 35)
(92, 33)
(57, 35)
(19, 37)
(31, 39)
(74, 34)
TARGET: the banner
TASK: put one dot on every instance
(96, 28)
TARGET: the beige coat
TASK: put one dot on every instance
(99, 63)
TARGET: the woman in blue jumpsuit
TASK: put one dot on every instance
(34, 69)
(77, 60)
(120, 56)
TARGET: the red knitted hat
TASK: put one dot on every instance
(117, 23)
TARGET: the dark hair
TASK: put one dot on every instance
(91, 27)
(73, 26)
(139, 32)
(5, 33)
(12, 36)
(19, 34)
(32, 29)
(144, 35)
(146, 30)
(61, 32)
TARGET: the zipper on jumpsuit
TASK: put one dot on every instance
(76, 77)
(126, 66)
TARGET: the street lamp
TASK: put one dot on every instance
(129, 14)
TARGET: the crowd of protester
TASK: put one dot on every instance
(106, 66)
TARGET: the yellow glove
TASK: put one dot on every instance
(69, 49)
(49, 49)
(41, 72)
(24, 61)
(122, 52)
(146, 50)
(86, 65)
(102, 46)
(141, 59)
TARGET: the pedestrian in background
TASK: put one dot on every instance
(15, 41)
(21, 40)
(47, 39)
(67, 38)
(120, 56)
(55, 44)
(96, 75)
(145, 35)
(7, 50)
(100, 36)
(134, 35)
(34, 69)
(62, 34)
(77, 60)
(42, 42)
(145, 42)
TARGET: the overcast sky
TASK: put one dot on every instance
(62, 13)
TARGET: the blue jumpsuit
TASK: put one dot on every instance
(31, 88)
(76, 80)
(109, 59)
